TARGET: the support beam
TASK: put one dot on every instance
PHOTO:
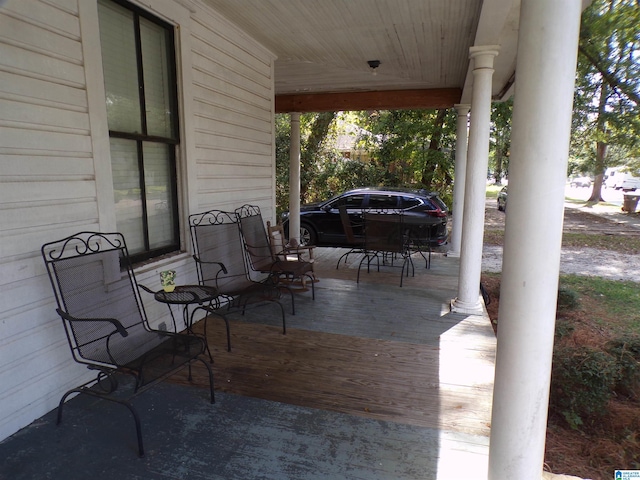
(547, 53)
(294, 178)
(380, 100)
(459, 178)
(468, 300)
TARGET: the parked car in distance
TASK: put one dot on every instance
(424, 212)
(580, 182)
(502, 199)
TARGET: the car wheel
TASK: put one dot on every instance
(307, 235)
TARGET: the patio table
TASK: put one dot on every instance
(187, 295)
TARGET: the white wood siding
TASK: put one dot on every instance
(47, 190)
(233, 118)
(54, 171)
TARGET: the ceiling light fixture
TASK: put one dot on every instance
(373, 64)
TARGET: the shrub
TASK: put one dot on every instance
(563, 328)
(626, 351)
(568, 299)
(582, 383)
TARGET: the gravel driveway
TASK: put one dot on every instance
(584, 261)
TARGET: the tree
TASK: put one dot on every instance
(412, 147)
(406, 147)
(606, 101)
(501, 113)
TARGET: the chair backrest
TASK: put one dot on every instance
(215, 236)
(277, 240)
(92, 278)
(384, 232)
(255, 238)
(346, 224)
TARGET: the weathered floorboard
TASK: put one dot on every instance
(373, 349)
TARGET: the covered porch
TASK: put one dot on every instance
(371, 381)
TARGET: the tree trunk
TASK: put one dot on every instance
(601, 147)
(312, 146)
(498, 157)
(434, 145)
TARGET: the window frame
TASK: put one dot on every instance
(140, 138)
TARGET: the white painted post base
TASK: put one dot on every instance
(458, 306)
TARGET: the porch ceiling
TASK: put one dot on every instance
(323, 47)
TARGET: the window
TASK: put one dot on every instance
(350, 201)
(138, 59)
(383, 201)
(408, 202)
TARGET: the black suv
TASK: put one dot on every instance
(425, 214)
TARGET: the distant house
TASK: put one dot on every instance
(347, 142)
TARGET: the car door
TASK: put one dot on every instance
(332, 230)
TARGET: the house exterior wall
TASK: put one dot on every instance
(55, 176)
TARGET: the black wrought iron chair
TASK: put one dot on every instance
(220, 262)
(386, 239)
(106, 324)
(260, 256)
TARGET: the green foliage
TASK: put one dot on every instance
(412, 148)
(501, 113)
(619, 298)
(606, 124)
(563, 328)
(582, 382)
(568, 299)
(626, 351)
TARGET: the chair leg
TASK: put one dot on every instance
(211, 385)
(85, 391)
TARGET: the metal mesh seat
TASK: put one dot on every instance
(105, 321)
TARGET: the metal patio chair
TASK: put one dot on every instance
(105, 322)
(386, 239)
(220, 262)
(261, 258)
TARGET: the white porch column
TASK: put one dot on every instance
(460, 174)
(294, 177)
(468, 300)
(547, 50)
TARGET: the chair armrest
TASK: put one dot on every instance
(301, 247)
(146, 289)
(121, 330)
(220, 264)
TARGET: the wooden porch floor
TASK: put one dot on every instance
(371, 349)
(371, 382)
